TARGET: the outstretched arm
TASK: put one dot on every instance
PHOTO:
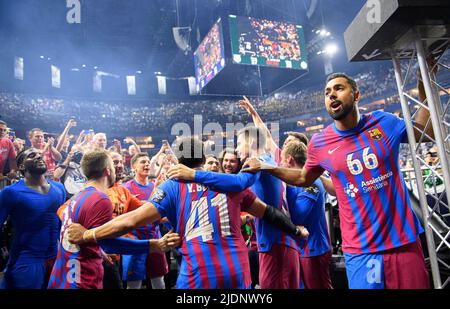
(271, 146)
(120, 225)
(296, 177)
(124, 245)
(222, 182)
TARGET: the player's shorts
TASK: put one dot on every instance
(156, 265)
(315, 272)
(31, 275)
(134, 267)
(398, 268)
(279, 268)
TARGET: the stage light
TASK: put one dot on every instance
(96, 67)
(331, 49)
(83, 65)
(42, 57)
(139, 72)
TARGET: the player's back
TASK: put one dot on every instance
(213, 250)
(80, 266)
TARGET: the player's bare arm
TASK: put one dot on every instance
(181, 172)
(120, 225)
(328, 185)
(271, 146)
(295, 177)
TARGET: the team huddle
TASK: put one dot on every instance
(278, 193)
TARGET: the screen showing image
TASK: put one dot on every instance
(267, 43)
(56, 77)
(209, 58)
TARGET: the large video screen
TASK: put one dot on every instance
(209, 58)
(267, 43)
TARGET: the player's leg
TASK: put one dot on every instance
(157, 267)
(405, 268)
(290, 268)
(134, 285)
(315, 271)
(279, 268)
(364, 271)
(158, 283)
(134, 270)
(25, 276)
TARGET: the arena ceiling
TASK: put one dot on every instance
(123, 37)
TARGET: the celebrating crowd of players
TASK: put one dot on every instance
(278, 196)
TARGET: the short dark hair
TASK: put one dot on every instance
(232, 151)
(255, 132)
(3, 123)
(298, 151)
(299, 136)
(34, 130)
(211, 156)
(137, 156)
(350, 80)
(94, 163)
(21, 156)
(189, 151)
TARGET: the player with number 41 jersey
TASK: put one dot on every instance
(214, 254)
(213, 250)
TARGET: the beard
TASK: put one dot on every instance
(111, 181)
(119, 175)
(37, 170)
(344, 112)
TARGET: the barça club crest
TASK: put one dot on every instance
(376, 134)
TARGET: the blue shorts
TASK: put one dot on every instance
(25, 276)
(133, 267)
(365, 271)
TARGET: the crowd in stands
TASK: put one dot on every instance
(149, 117)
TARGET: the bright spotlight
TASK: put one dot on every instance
(331, 49)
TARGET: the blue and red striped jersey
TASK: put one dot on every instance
(374, 207)
(307, 208)
(80, 266)
(143, 193)
(271, 191)
(213, 250)
(267, 188)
